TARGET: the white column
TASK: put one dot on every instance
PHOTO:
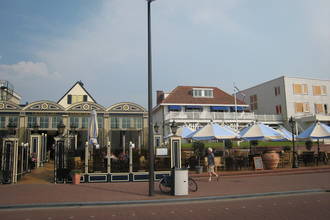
(86, 157)
(108, 157)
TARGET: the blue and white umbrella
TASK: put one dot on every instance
(317, 130)
(183, 132)
(287, 135)
(93, 129)
(213, 131)
(260, 131)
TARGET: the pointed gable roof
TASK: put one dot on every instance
(76, 89)
(184, 95)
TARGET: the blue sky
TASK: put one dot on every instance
(46, 46)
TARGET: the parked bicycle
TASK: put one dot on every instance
(166, 183)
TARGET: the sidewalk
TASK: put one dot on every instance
(230, 183)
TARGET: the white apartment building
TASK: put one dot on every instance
(195, 106)
(306, 100)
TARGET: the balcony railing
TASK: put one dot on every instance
(240, 116)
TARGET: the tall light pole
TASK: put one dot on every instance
(294, 162)
(150, 124)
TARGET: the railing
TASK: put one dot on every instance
(240, 116)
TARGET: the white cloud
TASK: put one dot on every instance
(25, 69)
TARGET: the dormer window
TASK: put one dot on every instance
(202, 93)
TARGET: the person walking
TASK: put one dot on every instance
(211, 164)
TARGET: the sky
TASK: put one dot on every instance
(46, 46)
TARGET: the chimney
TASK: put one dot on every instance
(160, 96)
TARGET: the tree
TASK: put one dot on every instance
(199, 149)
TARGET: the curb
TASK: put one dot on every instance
(250, 173)
(158, 201)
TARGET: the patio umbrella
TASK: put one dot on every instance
(260, 131)
(213, 131)
(287, 135)
(317, 131)
(182, 131)
(93, 128)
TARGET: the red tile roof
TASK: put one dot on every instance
(183, 95)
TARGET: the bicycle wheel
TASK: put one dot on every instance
(192, 185)
(164, 186)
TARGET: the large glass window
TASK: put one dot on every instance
(114, 122)
(100, 121)
(13, 119)
(56, 120)
(84, 122)
(138, 123)
(74, 121)
(32, 120)
(2, 122)
(126, 122)
(44, 122)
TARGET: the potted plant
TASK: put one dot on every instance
(199, 149)
(75, 175)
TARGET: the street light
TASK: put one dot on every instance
(150, 131)
(174, 127)
(60, 128)
(292, 123)
(156, 128)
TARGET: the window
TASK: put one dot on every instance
(84, 122)
(126, 122)
(74, 122)
(278, 109)
(100, 122)
(69, 99)
(14, 120)
(2, 122)
(85, 98)
(300, 89)
(56, 120)
(114, 122)
(319, 90)
(301, 107)
(253, 102)
(319, 108)
(138, 123)
(44, 122)
(207, 93)
(277, 91)
(32, 120)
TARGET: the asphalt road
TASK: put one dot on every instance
(305, 206)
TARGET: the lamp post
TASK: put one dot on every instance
(174, 127)
(292, 123)
(150, 131)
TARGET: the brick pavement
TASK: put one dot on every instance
(231, 183)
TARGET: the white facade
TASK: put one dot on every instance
(307, 100)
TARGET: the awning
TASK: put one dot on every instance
(221, 108)
(239, 108)
(174, 107)
(194, 106)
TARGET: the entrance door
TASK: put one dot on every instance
(7, 161)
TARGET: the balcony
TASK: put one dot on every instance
(222, 116)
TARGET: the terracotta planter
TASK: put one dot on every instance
(270, 159)
(76, 178)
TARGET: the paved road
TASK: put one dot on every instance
(306, 206)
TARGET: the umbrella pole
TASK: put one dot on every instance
(318, 151)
